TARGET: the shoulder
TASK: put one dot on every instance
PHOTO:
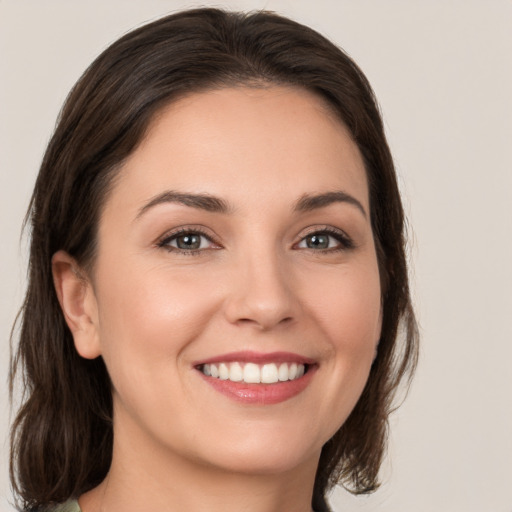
(69, 506)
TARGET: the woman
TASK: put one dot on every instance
(217, 277)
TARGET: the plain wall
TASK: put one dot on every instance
(442, 72)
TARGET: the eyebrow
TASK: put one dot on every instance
(214, 204)
(199, 201)
(312, 202)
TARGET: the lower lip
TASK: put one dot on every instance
(261, 394)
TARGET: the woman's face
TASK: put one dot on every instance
(236, 247)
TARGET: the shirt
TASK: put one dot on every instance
(69, 506)
(72, 506)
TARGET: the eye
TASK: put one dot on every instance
(187, 241)
(326, 240)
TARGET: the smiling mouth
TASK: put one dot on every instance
(252, 373)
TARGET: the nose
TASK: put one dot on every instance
(261, 293)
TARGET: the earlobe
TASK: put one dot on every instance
(78, 304)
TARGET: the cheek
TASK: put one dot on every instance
(347, 306)
(152, 313)
(148, 318)
(341, 315)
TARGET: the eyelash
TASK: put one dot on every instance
(169, 237)
(345, 242)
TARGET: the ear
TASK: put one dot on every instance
(78, 303)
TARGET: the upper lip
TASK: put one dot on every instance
(257, 357)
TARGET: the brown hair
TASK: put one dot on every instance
(61, 440)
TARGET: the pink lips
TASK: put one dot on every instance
(258, 358)
(262, 394)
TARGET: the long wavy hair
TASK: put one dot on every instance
(61, 439)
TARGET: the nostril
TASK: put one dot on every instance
(264, 325)
(261, 306)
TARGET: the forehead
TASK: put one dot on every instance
(245, 143)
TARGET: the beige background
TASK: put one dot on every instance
(442, 72)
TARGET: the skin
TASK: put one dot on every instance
(152, 311)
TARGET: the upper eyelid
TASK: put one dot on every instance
(207, 233)
(344, 238)
(311, 230)
(186, 228)
(174, 232)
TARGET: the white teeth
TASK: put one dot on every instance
(269, 374)
(283, 372)
(236, 372)
(223, 372)
(252, 373)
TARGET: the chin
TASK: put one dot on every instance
(261, 454)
